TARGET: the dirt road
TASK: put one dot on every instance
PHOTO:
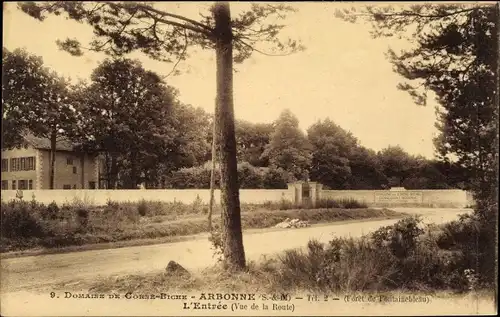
(34, 272)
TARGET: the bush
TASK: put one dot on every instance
(249, 176)
(142, 208)
(51, 212)
(394, 257)
(193, 177)
(112, 204)
(274, 178)
(400, 238)
(470, 237)
(284, 204)
(82, 218)
(20, 220)
(335, 267)
(344, 203)
(197, 205)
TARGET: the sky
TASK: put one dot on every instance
(343, 74)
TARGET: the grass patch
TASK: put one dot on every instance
(28, 225)
(344, 203)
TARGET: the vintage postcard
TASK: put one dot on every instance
(249, 159)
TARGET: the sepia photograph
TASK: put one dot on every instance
(249, 158)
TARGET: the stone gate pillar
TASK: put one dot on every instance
(295, 190)
(315, 189)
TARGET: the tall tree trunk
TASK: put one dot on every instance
(212, 175)
(232, 238)
(114, 172)
(497, 95)
(53, 144)
(107, 162)
(133, 177)
(493, 215)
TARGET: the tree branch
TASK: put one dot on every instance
(204, 31)
(96, 8)
(163, 13)
(419, 15)
(259, 51)
(180, 56)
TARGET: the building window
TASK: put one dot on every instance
(92, 185)
(5, 165)
(66, 186)
(69, 161)
(74, 169)
(14, 187)
(23, 184)
(30, 184)
(5, 185)
(22, 164)
(30, 163)
(13, 165)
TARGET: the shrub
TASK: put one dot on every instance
(400, 256)
(470, 237)
(19, 220)
(63, 239)
(35, 204)
(193, 177)
(82, 217)
(51, 212)
(215, 238)
(197, 205)
(352, 204)
(345, 203)
(302, 270)
(400, 238)
(285, 204)
(142, 208)
(334, 267)
(342, 271)
(360, 265)
(274, 177)
(249, 176)
(112, 204)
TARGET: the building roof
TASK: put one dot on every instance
(63, 144)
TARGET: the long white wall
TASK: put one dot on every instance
(423, 198)
(188, 196)
(427, 198)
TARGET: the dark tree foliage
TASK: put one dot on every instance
(366, 170)
(35, 101)
(22, 79)
(397, 165)
(288, 147)
(124, 113)
(332, 147)
(426, 176)
(251, 140)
